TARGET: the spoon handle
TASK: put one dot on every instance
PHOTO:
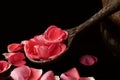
(107, 10)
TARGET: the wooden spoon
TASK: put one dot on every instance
(97, 17)
(115, 18)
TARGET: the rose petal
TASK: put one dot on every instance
(64, 77)
(32, 49)
(21, 73)
(42, 51)
(65, 36)
(19, 63)
(6, 55)
(88, 60)
(35, 74)
(54, 34)
(56, 49)
(14, 47)
(49, 75)
(71, 74)
(35, 48)
(17, 59)
(4, 65)
(39, 39)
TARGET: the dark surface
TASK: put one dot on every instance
(23, 23)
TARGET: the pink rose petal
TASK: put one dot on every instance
(71, 74)
(26, 73)
(88, 60)
(64, 77)
(49, 75)
(21, 73)
(35, 74)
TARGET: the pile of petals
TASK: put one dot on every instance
(48, 45)
(27, 73)
(44, 46)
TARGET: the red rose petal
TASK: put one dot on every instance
(29, 49)
(35, 49)
(4, 65)
(14, 47)
(17, 59)
(54, 34)
(56, 49)
(19, 63)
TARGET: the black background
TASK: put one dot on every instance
(23, 21)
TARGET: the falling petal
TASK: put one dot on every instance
(88, 60)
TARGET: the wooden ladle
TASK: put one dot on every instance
(97, 17)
